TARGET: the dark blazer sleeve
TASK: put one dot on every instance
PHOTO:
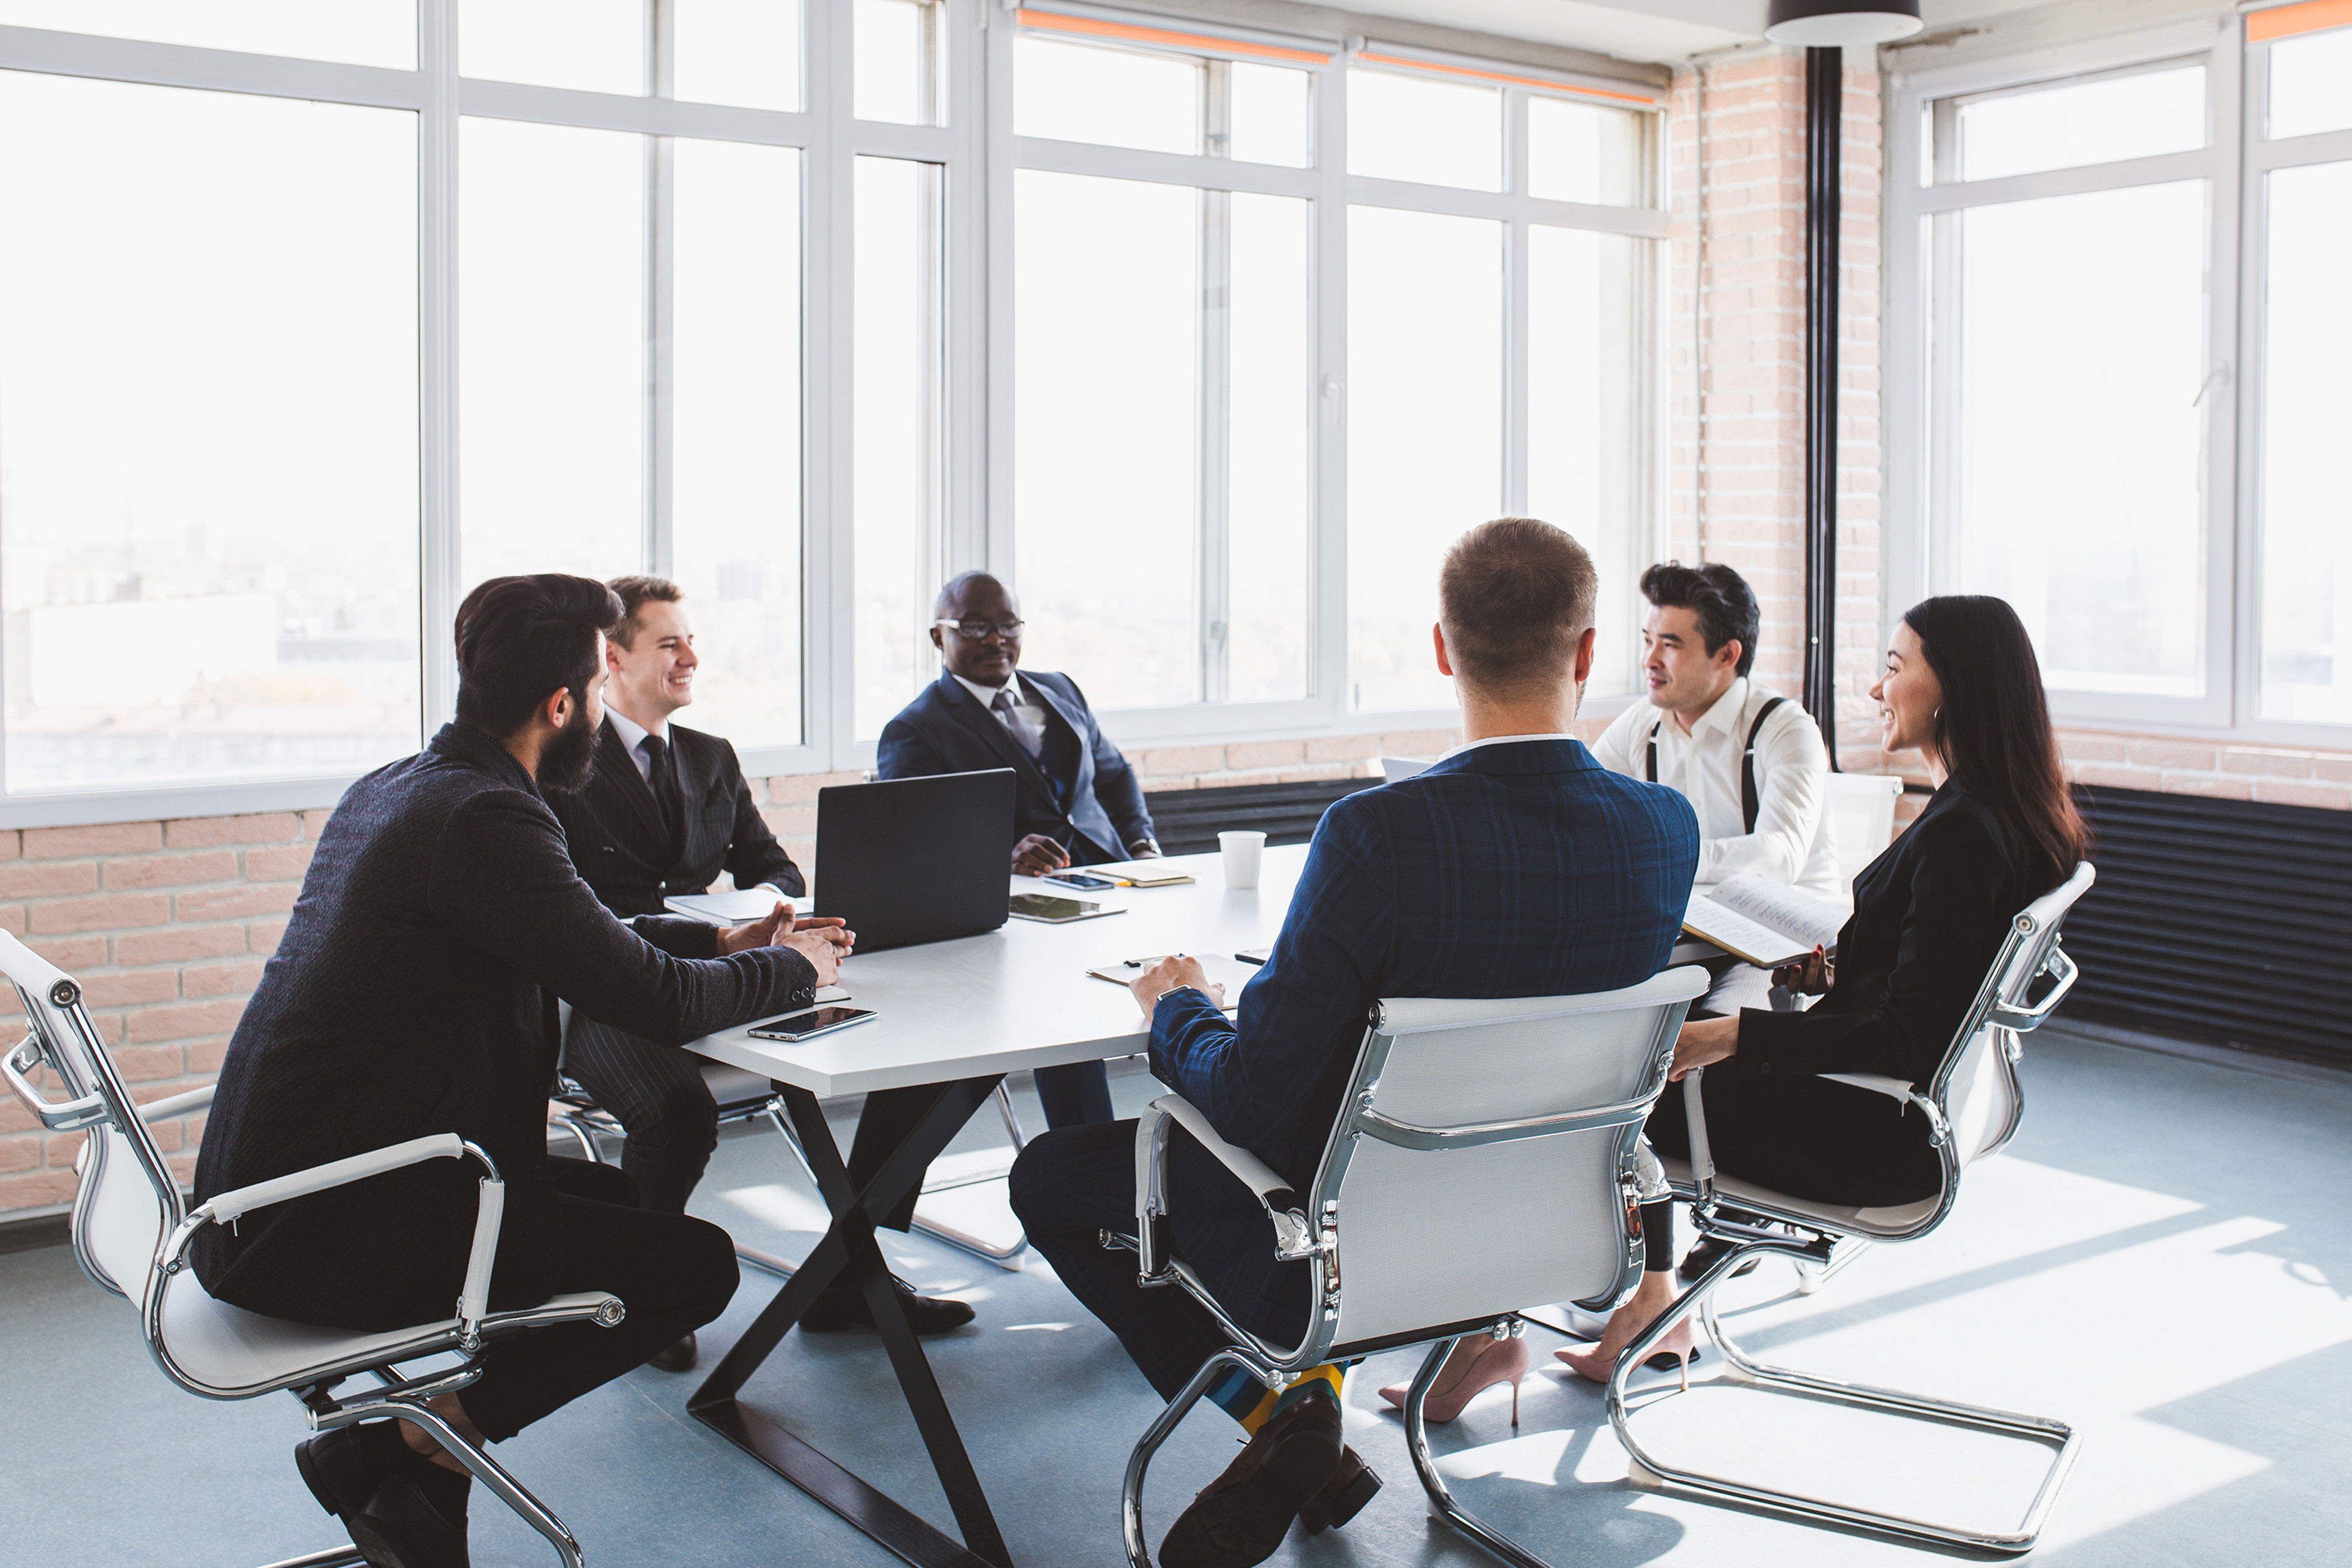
(501, 880)
(1116, 788)
(1302, 1015)
(1957, 915)
(905, 753)
(753, 856)
(680, 936)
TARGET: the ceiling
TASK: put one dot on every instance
(1656, 30)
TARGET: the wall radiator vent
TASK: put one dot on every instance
(2227, 921)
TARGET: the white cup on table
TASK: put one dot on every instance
(1241, 851)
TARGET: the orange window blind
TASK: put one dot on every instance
(2291, 21)
(1128, 32)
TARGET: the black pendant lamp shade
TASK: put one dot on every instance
(1836, 23)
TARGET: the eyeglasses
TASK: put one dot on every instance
(981, 631)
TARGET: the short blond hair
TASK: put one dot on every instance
(634, 593)
(1516, 596)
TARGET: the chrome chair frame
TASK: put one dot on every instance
(2002, 1009)
(1311, 1231)
(576, 1113)
(61, 1038)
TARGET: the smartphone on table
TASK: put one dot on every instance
(793, 1027)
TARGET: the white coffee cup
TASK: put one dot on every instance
(1241, 852)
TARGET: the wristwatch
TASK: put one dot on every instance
(1144, 846)
(1171, 991)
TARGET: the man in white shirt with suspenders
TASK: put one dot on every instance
(1749, 761)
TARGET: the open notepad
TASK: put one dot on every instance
(1766, 922)
(1137, 873)
(1233, 973)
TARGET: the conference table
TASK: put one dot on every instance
(957, 1016)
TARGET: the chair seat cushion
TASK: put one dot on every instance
(1885, 1222)
(231, 1352)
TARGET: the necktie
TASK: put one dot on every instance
(662, 775)
(1005, 706)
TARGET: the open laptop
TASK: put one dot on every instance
(914, 860)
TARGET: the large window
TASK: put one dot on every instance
(2119, 338)
(1211, 341)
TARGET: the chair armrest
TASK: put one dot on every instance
(1702, 1158)
(2025, 1020)
(57, 1116)
(1294, 1237)
(473, 1297)
(226, 1208)
(186, 1104)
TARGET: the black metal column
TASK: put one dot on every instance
(1825, 98)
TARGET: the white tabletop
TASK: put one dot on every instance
(1019, 997)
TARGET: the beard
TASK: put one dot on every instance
(569, 761)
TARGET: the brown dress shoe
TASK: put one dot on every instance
(679, 1357)
(1239, 1519)
(1351, 1486)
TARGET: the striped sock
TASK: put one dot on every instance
(1270, 1405)
(1237, 1393)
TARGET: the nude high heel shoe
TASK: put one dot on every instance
(1598, 1368)
(1464, 1378)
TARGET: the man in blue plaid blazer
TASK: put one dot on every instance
(1517, 866)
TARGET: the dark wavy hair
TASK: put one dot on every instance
(521, 639)
(1993, 729)
(1720, 598)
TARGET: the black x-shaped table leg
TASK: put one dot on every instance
(849, 1251)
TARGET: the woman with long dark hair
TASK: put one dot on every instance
(1961, 687)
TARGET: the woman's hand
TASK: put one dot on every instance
(1810, 977)
(1169, 973)
(1704, 1041)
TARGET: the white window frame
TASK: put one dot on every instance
(1921, 552)
(977, 149)
(1324, 709)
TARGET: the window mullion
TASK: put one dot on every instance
(440, 579)
(661, 213)
(1215, 443)
(1516, 433)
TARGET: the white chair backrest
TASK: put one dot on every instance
(128, 1200)
(1978, 1090)
(1861, 812)
(1395, 768)
(1447, 1211)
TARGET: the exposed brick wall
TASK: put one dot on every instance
(1746, 505)
(166, 925)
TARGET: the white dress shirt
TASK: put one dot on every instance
(1792, 842)
(633, 735)
(1027, 719)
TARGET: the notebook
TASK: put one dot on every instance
(1220, 969)
(1138, 873)
(1766, 922)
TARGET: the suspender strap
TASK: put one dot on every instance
(1748, 802)
(1655, 725)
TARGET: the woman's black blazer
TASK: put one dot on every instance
(1929, 915)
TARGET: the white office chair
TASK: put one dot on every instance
(1860, 808)
(1395, 768)
(1526, 1114)
(1972, 1106)
(131, 1230)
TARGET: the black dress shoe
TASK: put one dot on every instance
(1701, 1258)
(679, 1357)
(343, 1467)
(840, 1306)
(1239, 1519)
(404, 1527)
(1351, 1486)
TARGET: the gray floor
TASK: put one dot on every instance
(2161, 1257)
